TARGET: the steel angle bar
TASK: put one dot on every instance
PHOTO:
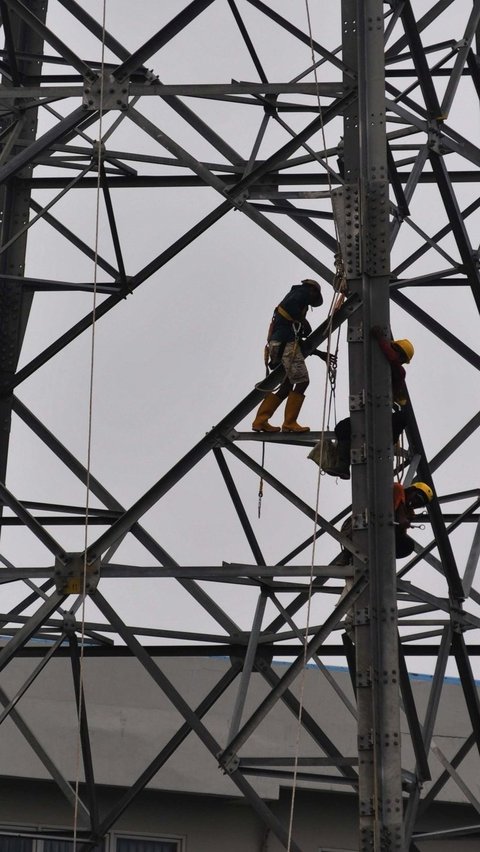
(295, 500)
(237, 193)
(48, 206)
(68, 791)
(458, 227)
(8, 499)
(437, 236)
(325, 672)
(411, 185)
(248, 41)
(311, 777)
(47, 35)
(423, 553)
(461, 59)
(455, 777)
(412, 35)
(436, 328)
(99, 491)
(256, 145)
(297, 33)
(472, 561)
(161, 38)
(300, 761)
(96, 28)
(411, 812)
(37, 285)
(423, 22)
(31, 625)
(447, 833)
(430, 242)
(239, 507)
(295, 668)
(414, 593)
(248, 664)
(422, 768)
(454, 143)
(472, 63)
(396, 184)
(310, 725)
(308, 542)
(169, 749)
(83, 731)
(27, 156)
(441, 278)
(443, 779)
(190, 716)
(112, 301)
(221, 572)
(31, 678)
(74, 240)
(462, 435)
(200, 450)
(470, 692)
(112, 223)
(10, 44)
(312, 228)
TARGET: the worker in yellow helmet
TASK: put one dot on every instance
(405, 501)
(284, 346)
(397, 353)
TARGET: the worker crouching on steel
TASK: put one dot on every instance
(288, 328)
(405, 501)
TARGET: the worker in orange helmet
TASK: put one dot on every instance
(405, 501)
(288, 328)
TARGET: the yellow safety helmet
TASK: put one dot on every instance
(406, 347)
(425, 489)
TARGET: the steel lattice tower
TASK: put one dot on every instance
(395, 99)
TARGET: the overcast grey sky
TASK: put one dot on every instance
(179, 353)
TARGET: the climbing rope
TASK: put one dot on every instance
(339, 290)
(89, 433)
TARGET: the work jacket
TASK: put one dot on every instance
(295, 304)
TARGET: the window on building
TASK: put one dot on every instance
(14, 843)
(142, 844)
(30, 840)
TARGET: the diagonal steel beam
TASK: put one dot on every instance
(47, 35)
(191, 717)
(161, 38)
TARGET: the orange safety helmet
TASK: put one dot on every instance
(406, 347)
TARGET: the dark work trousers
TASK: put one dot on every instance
(343, 429)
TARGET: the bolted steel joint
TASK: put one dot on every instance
(105, 92)
(228, 762)
(74, 574)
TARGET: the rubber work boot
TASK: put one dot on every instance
(292, 410)
(267, 408)
(341, 468)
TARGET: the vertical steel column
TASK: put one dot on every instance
(366, 250)
(15, 303)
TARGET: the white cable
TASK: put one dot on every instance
(317, 501)
(89, 434)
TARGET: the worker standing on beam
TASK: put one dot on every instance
(288, 328)
(397, 353)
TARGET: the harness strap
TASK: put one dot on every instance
(283, 313)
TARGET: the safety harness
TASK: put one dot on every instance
(296, 326)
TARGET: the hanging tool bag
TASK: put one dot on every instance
(329, 454)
